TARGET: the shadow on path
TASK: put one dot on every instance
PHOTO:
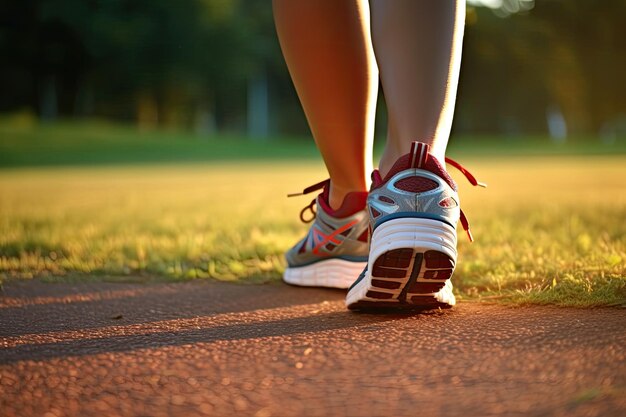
(122, 317)
(33, 307)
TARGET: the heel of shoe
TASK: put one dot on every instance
(410, 264)
(415, 233)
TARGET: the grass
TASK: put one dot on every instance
(101, 143)
(26, 143)
(549, 229)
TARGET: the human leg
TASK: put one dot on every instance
(327, 47)
(413, 203)
(418, 50)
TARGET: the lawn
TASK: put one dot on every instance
(549, 229)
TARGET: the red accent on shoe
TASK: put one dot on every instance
(416, 184)
(352, 203)
(386, 199)
(364, 236)
(412, 159)
(448, 202)
(303, 246)
(465, 172)
(419, 154)
(311, 188)
(375, 212)
(377, 180)
(404, 162)
(321, 240)
(466, 226)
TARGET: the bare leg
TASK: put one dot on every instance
(327, 47)
(418, 49)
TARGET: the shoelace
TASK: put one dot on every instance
(320, 185)
(472, 180)
(315, 187)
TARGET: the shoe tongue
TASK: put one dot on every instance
(352, 203)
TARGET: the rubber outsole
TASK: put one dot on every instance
(330, 273)
(411, 262)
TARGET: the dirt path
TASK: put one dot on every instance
(219, 349)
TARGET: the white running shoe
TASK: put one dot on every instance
(334, 250)
(413, 212)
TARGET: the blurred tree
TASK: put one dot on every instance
(216, 64)
(157, 60)
(564, 55)
(41, 59)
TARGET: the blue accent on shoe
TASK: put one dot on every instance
(404, 214)
(359, 279)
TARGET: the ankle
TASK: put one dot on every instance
(338, 193)
(392, 154)
(386, 163)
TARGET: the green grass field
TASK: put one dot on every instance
(549, 229)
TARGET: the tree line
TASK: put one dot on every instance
(216, 66)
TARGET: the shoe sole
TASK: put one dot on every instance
(410, 264)
(331, 273)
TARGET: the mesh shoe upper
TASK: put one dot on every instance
(414, 187)
(334, 233)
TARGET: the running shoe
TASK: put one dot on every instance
(334, 251)
(413, 212)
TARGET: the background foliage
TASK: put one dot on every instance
(192, 64)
